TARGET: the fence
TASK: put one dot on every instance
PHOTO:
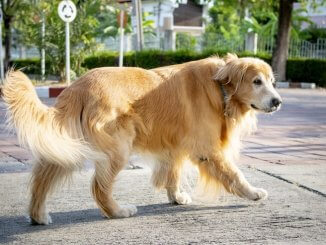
(21, 52)
(113, 43)
(297, 48)
(302, 48)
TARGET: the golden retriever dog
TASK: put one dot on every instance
(197, 111)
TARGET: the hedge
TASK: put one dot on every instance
(307, 70)
(154, 58)
(147, 59)
(298, 69)
(30, 65)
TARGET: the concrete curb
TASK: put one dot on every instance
(52, 92)
(45, 91)
(295, 85)
(48, 92)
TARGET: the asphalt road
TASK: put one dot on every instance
(286, 156)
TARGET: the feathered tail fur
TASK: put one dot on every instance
(37, 128)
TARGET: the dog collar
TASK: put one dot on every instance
(225, 98)
(224, 94)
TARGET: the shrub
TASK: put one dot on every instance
(100, 59)
(298, 69)
(307, 70)
(146, 59)
(185, 41)
(30, 66)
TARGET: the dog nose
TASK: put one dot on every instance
(276, 102)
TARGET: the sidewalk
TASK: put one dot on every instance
(286, 156)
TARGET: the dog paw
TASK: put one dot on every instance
(42, 220)
(125, 211)
(259, 194)
(181, 198)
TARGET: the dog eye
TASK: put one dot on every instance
(258, 82)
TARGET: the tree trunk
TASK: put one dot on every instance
(280, 53)
(7, 31)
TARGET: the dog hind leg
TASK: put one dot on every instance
(105, 173)
(117, 147)
(45, 178)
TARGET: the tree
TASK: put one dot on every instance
(280, 53)
(95, 19)
(267, 17)
(313, 33)
(82, 32)
(225, 19)
(109, 26)
(185, 41)
(229, 17)
(9, 10)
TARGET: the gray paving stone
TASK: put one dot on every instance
(286, 154)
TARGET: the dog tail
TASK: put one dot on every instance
(37, 127)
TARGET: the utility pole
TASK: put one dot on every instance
(122, 14)
(158, 31)
(67, 12)
(1, 50)
(43, 47)
(137, 14)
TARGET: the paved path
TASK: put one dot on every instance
(287, 157)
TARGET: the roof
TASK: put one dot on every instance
(189, 14)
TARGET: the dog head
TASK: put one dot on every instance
(251, 82)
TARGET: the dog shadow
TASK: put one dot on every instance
(10, 226)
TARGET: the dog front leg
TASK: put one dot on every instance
(216, 168)
(167, 175)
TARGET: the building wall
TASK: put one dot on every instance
(317, 16)
(166, 10)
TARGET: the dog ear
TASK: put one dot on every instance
(232, 73)
(230, 57)
(223, 75)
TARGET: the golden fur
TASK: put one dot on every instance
(173, 113)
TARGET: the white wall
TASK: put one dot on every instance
(167, 8)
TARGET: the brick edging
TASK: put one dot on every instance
(48, 92)
(295, 85)
(52, 92)
(45, 91)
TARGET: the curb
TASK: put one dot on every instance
(48, 92)
(53, 92)
(45, 91)
(295, 85)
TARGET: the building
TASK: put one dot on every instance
(171, 17)
(316, 15)
(185, 16)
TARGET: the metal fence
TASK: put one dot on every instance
(302, 48)
(21, 52)
(297, 48)
(113, 43)
(213, 41)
